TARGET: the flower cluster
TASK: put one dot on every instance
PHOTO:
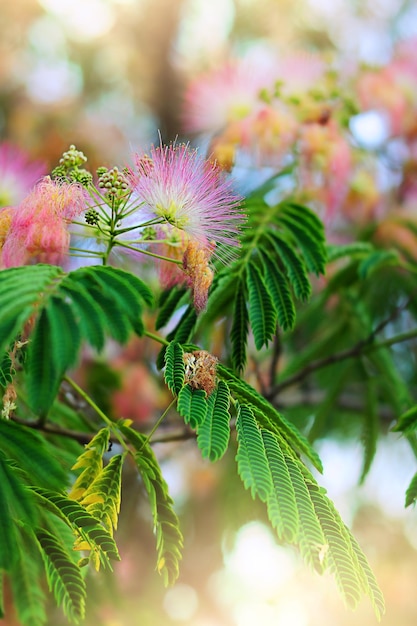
(307, 114)
(173, 205)
(36, 231)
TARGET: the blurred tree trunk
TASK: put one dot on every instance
(159, 27)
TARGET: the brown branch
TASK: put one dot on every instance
(361, 347)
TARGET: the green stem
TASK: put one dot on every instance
(159, 422)
(155, 337)
(99, 412)
(152, 254)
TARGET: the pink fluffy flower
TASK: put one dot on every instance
(38, 229)
(190, 193)
(17, 174)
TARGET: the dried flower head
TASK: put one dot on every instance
(200, 275)
(201, 370)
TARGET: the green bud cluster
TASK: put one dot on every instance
(92, 217)
(70, 170)
(113, 182)
(72, 158)
(149, 233)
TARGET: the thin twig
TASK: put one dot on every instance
(361, 347)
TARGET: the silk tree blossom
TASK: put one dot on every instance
(191, 194)
(38, 229)
(198, 211)
(18, 174)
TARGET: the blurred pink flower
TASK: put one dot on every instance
(325, 165)
(38, 229)
(299, 72)
(393, 90)
(227, 94)
(18, 174)
(190, 193)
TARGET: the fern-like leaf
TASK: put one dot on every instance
(262, 313)
(376, 260)
(267, 415)
(27, 588)
(407, 422)
(88, 313)
(16, 505)
(370, 430)
(185, 327)
(22, 290)
(240, 330)
(341, 558)
(252, 462)
(102, 497)
(52, 350)
(371, 586)
(411, 493)
(91, 460)
(32, 454)
(6, 370)
(64, 577)
(313, 249)
(86, 527)
(213, 433)
(174, 367)
(282, 505)
(294, 265)
(310, 537)
(357, 248)
(167, 305)
(192, 405)
(169, 540)
(277, 286)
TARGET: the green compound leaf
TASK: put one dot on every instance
(32, 454)
(52, 350)
(64, 577)
(167, 305)
(313, 249)
(192, 405)
(407, 422)
(277, 286)
(411, 493)
(262, 313)
(88, 314)
(213, 433)
(22, 291)
(281, 503)
(91, 462)
(310, 538)
(240, 330)
(294, 266)
(102, 497)
(28, 589)
(341, 559)
(16, 505)
(169, 540)
(268, 416)
(6, 370)
(252, 462)
(174, 367)
(86, 527)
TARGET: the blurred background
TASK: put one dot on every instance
(108, 76)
